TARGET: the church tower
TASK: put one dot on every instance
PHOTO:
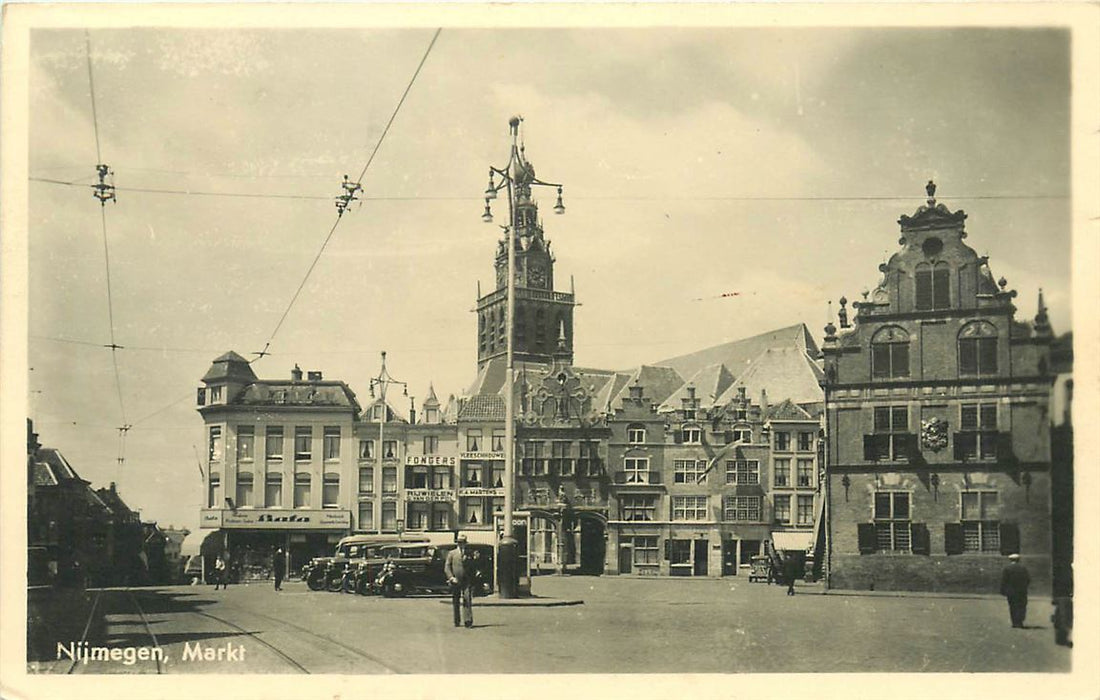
(544, 317)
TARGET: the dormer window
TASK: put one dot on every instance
(635, 434)
(933, 286)
(216, 394)
(691, 434)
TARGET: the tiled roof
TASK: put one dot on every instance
(280, 393)
(738, 354)
(43, 475)
(710, 383)
(657, 384)
(786, 410)
(785, 373)
(230, 366)
(57, 464)
(482, 408)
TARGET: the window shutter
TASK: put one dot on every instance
(866, 536)
(869, 453)
(953, 538)
(920, 538)
(1010, 538)
(1004, 446)
(678, 435)
(668, 550)
(729, 436)
(964, 445)
(906, 446)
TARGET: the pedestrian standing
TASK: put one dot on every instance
(219, 572)
(459, 570)
(278, 567)
(1015, 580)
(790, 572)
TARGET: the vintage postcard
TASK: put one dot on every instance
(485, 350)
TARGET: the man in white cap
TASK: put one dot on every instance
(460, 575)
(1014, 583)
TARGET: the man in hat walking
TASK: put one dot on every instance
(1014, 583)
(460, 575)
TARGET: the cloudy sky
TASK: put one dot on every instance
(697, 162)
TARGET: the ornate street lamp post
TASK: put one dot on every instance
(382, 382)
(516, 179)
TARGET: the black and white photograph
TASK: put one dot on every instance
(540, 350)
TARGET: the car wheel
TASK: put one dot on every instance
(316, 582)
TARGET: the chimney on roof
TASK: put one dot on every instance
(314, 376)
(296, 373)
(114, 489)
(636, 391)
(412, 410)
(764, 403)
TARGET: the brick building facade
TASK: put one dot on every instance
(939, 450)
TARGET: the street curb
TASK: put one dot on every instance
(910, 594)
(522, 603)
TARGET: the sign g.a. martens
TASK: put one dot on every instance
(276, 519)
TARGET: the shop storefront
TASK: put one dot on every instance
(253, 535)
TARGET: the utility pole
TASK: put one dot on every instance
(516, 177)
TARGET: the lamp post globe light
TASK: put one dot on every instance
(516, 179)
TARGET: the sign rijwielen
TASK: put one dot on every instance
(275, 519)
(432, 495)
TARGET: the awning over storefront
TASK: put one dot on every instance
(792, 540)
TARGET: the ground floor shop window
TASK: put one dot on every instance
(441, 517)
(473, 510)
(417, 517)
(646, 551)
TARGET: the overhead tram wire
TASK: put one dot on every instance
(104, 191)
(352, 192)
(609, 198)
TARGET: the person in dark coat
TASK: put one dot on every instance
(278, 567)
(1014, 583)
(460, 573)
(790, 572)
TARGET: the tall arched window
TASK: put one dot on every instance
(933, 286)
(890, 353)
(978, 348)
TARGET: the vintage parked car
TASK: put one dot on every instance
(418, 568)
(319, 572)
(760, 568)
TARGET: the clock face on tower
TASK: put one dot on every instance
(536, 276)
